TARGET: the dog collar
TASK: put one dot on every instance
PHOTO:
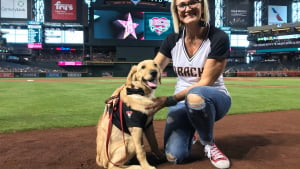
(138, 91)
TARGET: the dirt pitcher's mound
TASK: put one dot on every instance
(252, 141)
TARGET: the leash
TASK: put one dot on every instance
(111, 110)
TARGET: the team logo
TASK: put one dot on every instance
(159, 25)
(129, 113)
(135, 1)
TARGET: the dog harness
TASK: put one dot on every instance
(123, 117)
(131, 118)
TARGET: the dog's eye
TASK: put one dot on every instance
(155, 64)
(143, 67)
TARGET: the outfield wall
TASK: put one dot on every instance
(268, 74)
(37, 74)
(93, 69)
(122, 69)
(118, 69)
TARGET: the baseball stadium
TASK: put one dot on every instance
(60, 60)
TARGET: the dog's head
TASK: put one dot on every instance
(146, 75)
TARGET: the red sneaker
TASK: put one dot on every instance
(217, 158)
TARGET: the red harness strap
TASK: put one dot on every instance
(111, 110)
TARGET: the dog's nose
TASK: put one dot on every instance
(153, 73)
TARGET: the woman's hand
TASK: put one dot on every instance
(158, 103)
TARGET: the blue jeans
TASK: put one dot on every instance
(182, 121)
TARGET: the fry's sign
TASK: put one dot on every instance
(64, 9)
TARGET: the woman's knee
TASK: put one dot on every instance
(177, 157)
(195, 102)
(178, 145)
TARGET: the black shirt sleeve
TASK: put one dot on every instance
(220, 44)
(168, 43)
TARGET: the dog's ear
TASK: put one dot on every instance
(131, 75)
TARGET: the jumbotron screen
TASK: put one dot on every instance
(114, 27)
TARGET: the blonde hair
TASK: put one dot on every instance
(178, 24)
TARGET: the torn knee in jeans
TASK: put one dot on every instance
(195, 101)
(170, 157)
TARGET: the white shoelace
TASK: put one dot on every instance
(213, 151)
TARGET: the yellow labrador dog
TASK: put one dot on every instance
(123, 139)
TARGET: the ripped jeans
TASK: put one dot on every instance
(184, 118)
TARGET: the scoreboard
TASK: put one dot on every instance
(34, 35)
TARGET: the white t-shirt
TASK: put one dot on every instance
(189, 69)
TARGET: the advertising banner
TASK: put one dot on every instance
(53, 75)
(277, 14)
(238, 15)
(29, 74)
(64, 10)
(7, 74)
(14, 9)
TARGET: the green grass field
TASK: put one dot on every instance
(71, 102)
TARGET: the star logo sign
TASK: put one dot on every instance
(129, 26)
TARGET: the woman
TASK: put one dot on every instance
(198, 52)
